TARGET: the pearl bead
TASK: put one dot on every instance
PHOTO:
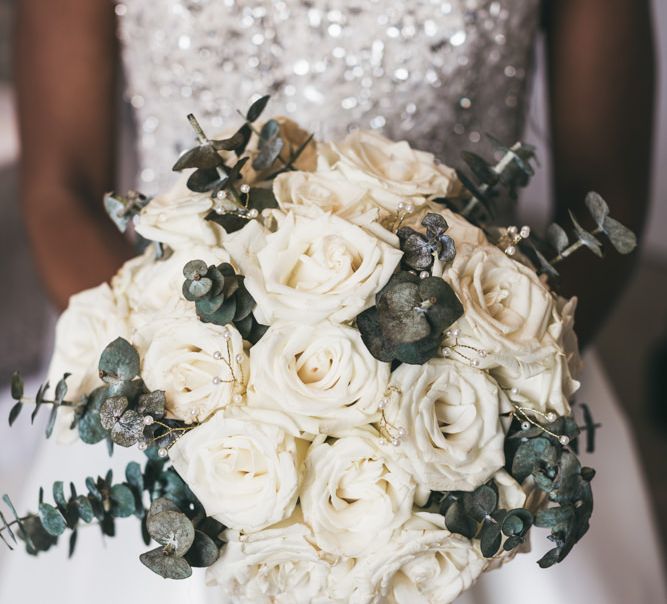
(162, 452)
(510, 250)
(564, 440)
(383, 403)
(194, 412)
(239, 358)
(402, 432)
(253, 213)
(512, 230)
(237, 398)
(382, 442)
(219, 210)
(245, 188)
(424, 275)
(216, 380)
(409, 208)
(551, 417)
(446, 352)
(142, 446)
(482, 353)
(514, 391)
(217, 355)
(221, 195)
(525, 232)
(226, 335)
(395, 442)
(148, 420)
(456, 333)
(525, 425)
(474, 363)
(401, 206)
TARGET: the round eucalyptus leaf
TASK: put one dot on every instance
(200, 287)
(52, 520)
(90, 426)
(128, 429)
(84, 508)
(169, 567)
(162, 504)
(173, 530)
(597, 207)
(621, 237)
(152, 403)
(122, 501)
(457, 521)
(119, 361)
(203, 551)
(512, 542)
(111, 411)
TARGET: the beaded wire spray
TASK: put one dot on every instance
(236, 377)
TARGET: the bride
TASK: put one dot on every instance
(438, 73)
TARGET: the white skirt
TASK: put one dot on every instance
(617, 562)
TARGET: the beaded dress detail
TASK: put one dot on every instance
(438, 73)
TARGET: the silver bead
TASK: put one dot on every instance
(162, 452)
(217, 355)
(245, 188)
(424, 275)
(564, 440)
(221, 195)
(252, 214)
(512, 230)
(510, 250)
(551, 417)
(525, 232)
(148, 420)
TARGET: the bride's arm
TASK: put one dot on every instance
(601, 93)
(65, 78)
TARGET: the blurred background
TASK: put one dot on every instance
(633, 346)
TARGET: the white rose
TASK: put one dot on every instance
(278, 565)
(200, 366)
(91, 321)
(327, 191)
(354, 494)
(176, 218)
(311, 269)
(423, 563)
(321, 375)
(511, 316)
(392, 171)
(454, 438)
(151, 290)
(243, 467)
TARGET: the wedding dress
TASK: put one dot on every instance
(438, 73)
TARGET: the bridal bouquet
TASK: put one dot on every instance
(348, 385)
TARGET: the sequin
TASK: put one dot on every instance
(437, 73)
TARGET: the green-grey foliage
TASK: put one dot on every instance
(421, 249)
(221, 298)
(123, 208)
(409, 317)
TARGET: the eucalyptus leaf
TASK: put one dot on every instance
(90, 426)
(14, 412)
(201, 156)
(51, 423)
(17, 386)
(122, 501)
(52, 520)
(111, 411)
(620, 236)
(257, 108)
(490, 539)
(128, 429)
(557, 237)
(119, 361)
(169, 567)
(457, 521)
(84, 508)
(597, 207)
(203, 552)
(173, 530)
(586, 238)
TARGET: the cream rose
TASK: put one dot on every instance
(278, 565)
(423, 563)
(354, 494)
(304, 192)
(513, 319)
(91, 321)
(150, 290)
(200, 366)
(454, 439)
(321, 375)
(243, 467)
(177, 218)
(311, 269)
(392, 171)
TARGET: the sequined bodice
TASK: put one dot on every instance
(439, 73)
